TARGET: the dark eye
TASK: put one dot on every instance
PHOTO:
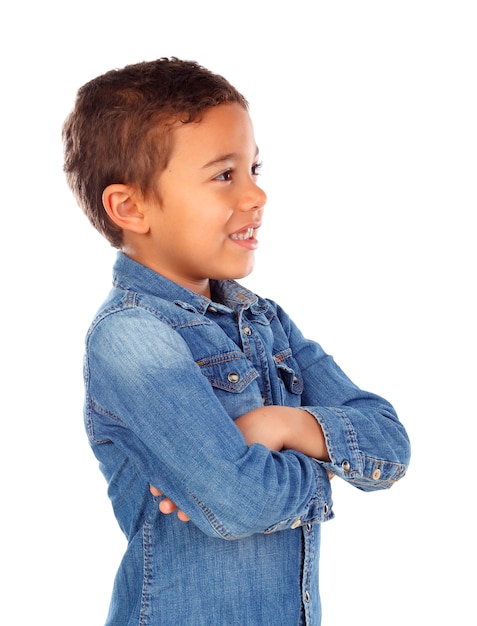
(227, 176)
(256, 169)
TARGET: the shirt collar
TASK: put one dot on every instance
(228, 295)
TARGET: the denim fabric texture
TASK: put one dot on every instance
(166, 373)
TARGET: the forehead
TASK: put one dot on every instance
(222, 129)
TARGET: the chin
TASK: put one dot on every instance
(232, 271)
(243, 273)
(232, 275)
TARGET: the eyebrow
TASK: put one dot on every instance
(223, 158)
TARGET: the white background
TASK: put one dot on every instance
(365, 113)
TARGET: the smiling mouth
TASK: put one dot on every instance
(243, 235)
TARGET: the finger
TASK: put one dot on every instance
(166, 506)
(183, 516)
(154, 491)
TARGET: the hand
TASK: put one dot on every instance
(166, 505)
(281, 427)
(264, 425)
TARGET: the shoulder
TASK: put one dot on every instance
(129, 322)
(123, 305)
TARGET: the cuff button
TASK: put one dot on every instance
(345, 466)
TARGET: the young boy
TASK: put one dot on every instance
(194, 384)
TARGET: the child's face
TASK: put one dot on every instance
(210, 206)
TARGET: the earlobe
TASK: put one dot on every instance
(121, 205)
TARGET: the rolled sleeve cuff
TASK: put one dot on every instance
(347, 460)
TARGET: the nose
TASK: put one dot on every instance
(253, 198)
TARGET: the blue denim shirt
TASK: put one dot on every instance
(166, 372)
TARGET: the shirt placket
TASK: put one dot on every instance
(254, 350)
(307, 584)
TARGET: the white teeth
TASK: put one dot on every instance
(248, 234)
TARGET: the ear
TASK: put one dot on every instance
(123, 206)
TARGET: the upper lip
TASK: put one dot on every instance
(255, 226)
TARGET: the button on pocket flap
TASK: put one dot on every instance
(230, 371)
(289, 371)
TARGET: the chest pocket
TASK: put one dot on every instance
(234, 381)
(290, 376)
(230, 371)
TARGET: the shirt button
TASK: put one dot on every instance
(246, 330)
(307, 596)
(345, 466)
(296, 523)
(233, 377)
(376, 474)
(326, 509)
(308, 527)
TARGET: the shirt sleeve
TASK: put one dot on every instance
(148, 404)
(367, 444)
